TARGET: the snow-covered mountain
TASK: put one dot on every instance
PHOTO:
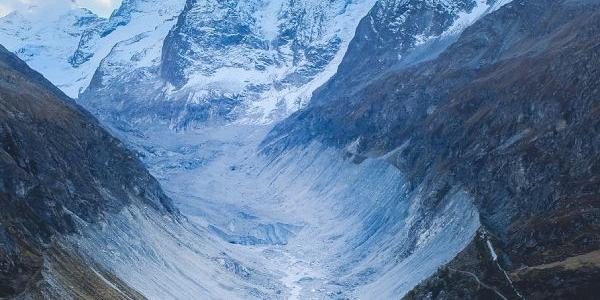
(247, 61)
(68, 45)
(185, 63)
(47, 41)
(320, 205)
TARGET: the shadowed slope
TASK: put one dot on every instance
(57, 166)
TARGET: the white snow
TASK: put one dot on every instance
(46, 42)
(463, 20)
(466, 19)
(46, 45)
(269, 17)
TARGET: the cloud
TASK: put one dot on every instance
(100, 7)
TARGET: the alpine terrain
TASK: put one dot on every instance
(301, 149)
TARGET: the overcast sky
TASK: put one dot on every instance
(100, 7)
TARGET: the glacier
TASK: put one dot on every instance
(333, 226)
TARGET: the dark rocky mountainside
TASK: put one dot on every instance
(511, 112)
(388, 37)
(58, 169)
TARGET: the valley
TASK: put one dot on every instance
(308, 218)
(343, 149)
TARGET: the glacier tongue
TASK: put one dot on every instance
(312, 223)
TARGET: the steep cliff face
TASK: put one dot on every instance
(509, 111)
(225, 61)
(57, 167)
(254, 36)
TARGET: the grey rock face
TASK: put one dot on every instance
(508, 111)
(251, 35)
(204, 31)
(58, 168)
(395, 35)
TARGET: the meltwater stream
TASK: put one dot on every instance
(307, 224)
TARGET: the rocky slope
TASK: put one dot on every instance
(398, 34)
(510, 112)
(58, 168)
